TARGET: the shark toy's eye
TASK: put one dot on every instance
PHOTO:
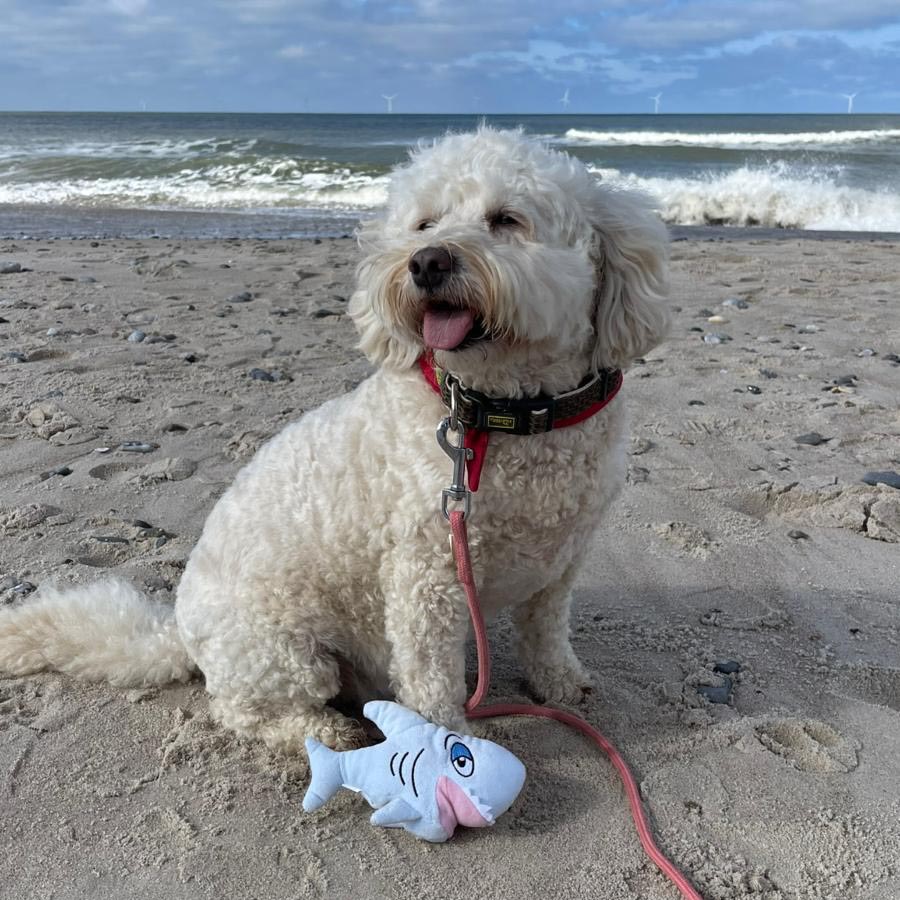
(462, 760)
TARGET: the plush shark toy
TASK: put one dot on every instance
(423, 778)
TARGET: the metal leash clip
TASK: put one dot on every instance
(460, 454)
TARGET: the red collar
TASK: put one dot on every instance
(477, 437)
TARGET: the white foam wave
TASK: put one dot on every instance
(774, 197)
(779, 196)
(732, 140)
(220, 187)
(137, 149)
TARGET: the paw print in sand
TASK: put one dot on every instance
(809, 745)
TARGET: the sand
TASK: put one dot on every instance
(788, 790)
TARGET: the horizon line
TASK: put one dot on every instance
(241, 112)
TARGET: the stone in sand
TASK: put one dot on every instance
(10, 268)
(891, 479)
(138, 447)
(727, 667)
(716, 693)
(813, 439)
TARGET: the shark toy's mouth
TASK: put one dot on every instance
(456, 807)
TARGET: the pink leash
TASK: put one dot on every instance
(474, 709)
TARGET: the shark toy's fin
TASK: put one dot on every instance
(399, 814)
(325, 770)
(392, 718)
(395, 814)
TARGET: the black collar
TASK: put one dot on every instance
(529, 415)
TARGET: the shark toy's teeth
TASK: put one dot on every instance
(481, 806)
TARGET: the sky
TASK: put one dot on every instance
(446, 56)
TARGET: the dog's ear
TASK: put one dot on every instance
(631, 255)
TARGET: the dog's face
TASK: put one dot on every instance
(511, 264)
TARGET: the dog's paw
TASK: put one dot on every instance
(567, 685)
(339, 733)
(452, 717)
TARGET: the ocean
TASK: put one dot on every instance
(285, 175)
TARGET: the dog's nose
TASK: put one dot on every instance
(430, 267)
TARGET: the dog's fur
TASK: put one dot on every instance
(329, 553)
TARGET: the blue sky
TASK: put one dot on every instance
(451, 55)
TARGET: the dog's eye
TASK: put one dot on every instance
(424, 225)
(503, 220)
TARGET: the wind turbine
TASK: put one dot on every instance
(849, 101)
(390, 101)
(656, 102)
(565, 99)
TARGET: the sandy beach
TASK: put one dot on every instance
(740, 609)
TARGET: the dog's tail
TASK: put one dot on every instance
(106, 631)
(325, 769)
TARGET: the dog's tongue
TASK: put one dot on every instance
(445, 328)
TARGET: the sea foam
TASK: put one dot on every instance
(735, 139)
(776, 196)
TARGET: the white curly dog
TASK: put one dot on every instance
(523, 276)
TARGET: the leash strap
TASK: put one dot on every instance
(474, 710)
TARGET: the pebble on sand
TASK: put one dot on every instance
(717, 693)
(716, 337)
(795, 534)
(891, 479)
(736, 303)
(727, 667)
(242, 297)
(263, 375)
(138, 447)
(136, 336)
(813, 439)
(10, 268)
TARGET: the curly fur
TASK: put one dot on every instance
(328, 553)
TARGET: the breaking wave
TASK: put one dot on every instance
(736, 140)
(248, 186)
(257, 175)
(777, 196)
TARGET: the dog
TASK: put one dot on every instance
(517, 277)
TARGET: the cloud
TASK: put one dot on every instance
(515, 54)
(127, 7)
(293, 51)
